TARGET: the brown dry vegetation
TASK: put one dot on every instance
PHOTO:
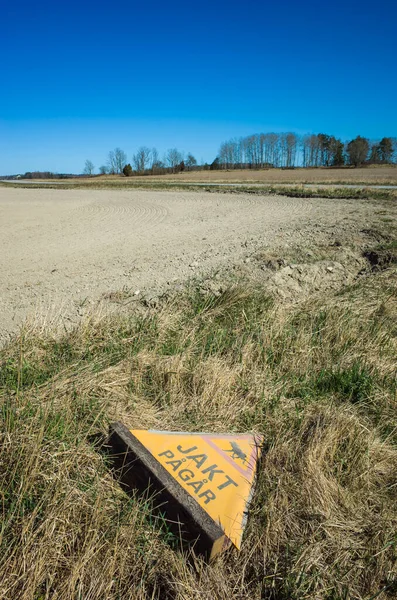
(371, 175)
(362, 175)
(317, 378)
(376, 175)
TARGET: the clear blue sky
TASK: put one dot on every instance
(80, 78)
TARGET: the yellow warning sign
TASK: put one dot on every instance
(217, 470)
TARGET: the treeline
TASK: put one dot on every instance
(146, 161)
(257, 151)
(43, 175)
(288, 150)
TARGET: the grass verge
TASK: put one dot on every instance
(317, 379)
(293, 190)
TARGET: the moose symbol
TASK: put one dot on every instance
(236, 452)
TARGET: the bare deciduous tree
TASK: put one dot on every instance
(291, 141)
(112, 163)
(88, 167)
(121, 159)
(394, 154)
(256, 151)
(117, 159)
(173, 158)
(190, 161)
(141, 159)
(155, 160)
(312, 150)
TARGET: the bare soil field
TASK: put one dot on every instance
(61, 251)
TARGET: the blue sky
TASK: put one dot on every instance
(80, 78)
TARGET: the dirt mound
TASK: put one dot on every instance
(293, 281)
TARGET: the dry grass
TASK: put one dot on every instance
(318, 379)
(386, 175)
(361, 176)
(375, 174)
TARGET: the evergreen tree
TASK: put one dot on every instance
(375, 157)
(386, 149)
(357, 150)
(127, 170)
(215, 164)
(338, 157)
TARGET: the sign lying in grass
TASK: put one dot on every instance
(202, 482)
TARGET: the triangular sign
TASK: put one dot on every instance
(218, 471)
